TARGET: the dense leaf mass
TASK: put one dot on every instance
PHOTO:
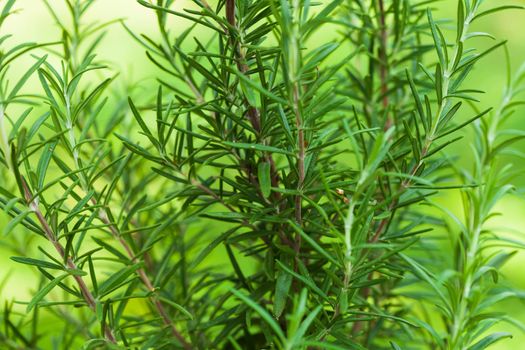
(279, 189)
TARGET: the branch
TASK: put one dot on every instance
(383, 63)
(32, 203)
(103, 215)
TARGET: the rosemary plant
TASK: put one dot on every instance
(281, 188)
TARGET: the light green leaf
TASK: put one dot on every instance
(44, 291)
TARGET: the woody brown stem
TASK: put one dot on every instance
(300, 164)
(253, 113)
(70, 264)
(405, 184)
(144, 278)
(383, 63)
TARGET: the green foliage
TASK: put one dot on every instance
(280, 190)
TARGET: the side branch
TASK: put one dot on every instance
(32, 203)
(143, 277)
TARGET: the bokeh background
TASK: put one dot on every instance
(123, 54)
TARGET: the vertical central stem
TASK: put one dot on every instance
(253, 112)
(300, 155)
(300, 166)
(294, 65)
(383, 64)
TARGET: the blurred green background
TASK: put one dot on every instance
(120, 51)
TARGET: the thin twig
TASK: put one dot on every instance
(300, 163)
(32, 203)
(383, 63)
(103, 215)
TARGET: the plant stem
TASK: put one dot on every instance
(383, 63)
(294, 65)
(476, 216)
(405, 184)
(253, 112)
(103, 215)
(32, 203)
(300, 161)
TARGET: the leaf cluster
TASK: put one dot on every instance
(276, 190)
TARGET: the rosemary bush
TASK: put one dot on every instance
(281, 187)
